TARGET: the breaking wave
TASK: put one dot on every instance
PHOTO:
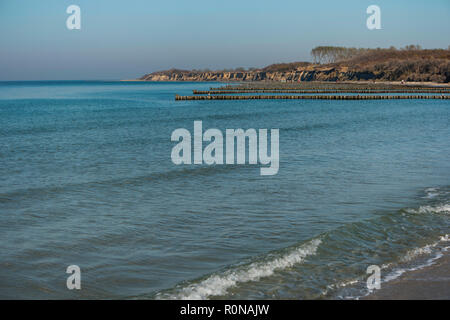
(218, 284)
(445, 208)
(333, 264)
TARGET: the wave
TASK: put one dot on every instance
(180, 172)
(445, 208)
(333, 264)
(400, 271)
(393, 270)
(218, 284)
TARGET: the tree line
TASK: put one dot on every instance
(331, 54)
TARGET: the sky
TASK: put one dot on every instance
(127, 39)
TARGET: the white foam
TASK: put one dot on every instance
(431, 193)
(396, 273)
(218, 284)
(339, 285)
(412, 254)
(445, 208)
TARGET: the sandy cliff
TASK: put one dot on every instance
(303, 74)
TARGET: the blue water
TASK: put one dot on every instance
(87, 179)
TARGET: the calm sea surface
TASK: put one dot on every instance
(87, 179)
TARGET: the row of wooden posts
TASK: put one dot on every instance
(368, 88)
(316, 91)
(314, 97)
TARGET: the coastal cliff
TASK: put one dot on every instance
(300, 74)
(347, 64)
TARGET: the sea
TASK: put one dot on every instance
(87, 179)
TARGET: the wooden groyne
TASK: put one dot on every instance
(314, 97)
(237, 91)
(325, 87)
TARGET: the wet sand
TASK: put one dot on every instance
(429, 283)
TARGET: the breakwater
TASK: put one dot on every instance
(242, 90)
(310, 97)
(329, 86)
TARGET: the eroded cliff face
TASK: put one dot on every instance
(301, 74)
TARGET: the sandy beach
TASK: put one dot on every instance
(429, 283)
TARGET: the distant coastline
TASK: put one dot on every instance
(411, 64)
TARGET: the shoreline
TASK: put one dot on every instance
(428, 283)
